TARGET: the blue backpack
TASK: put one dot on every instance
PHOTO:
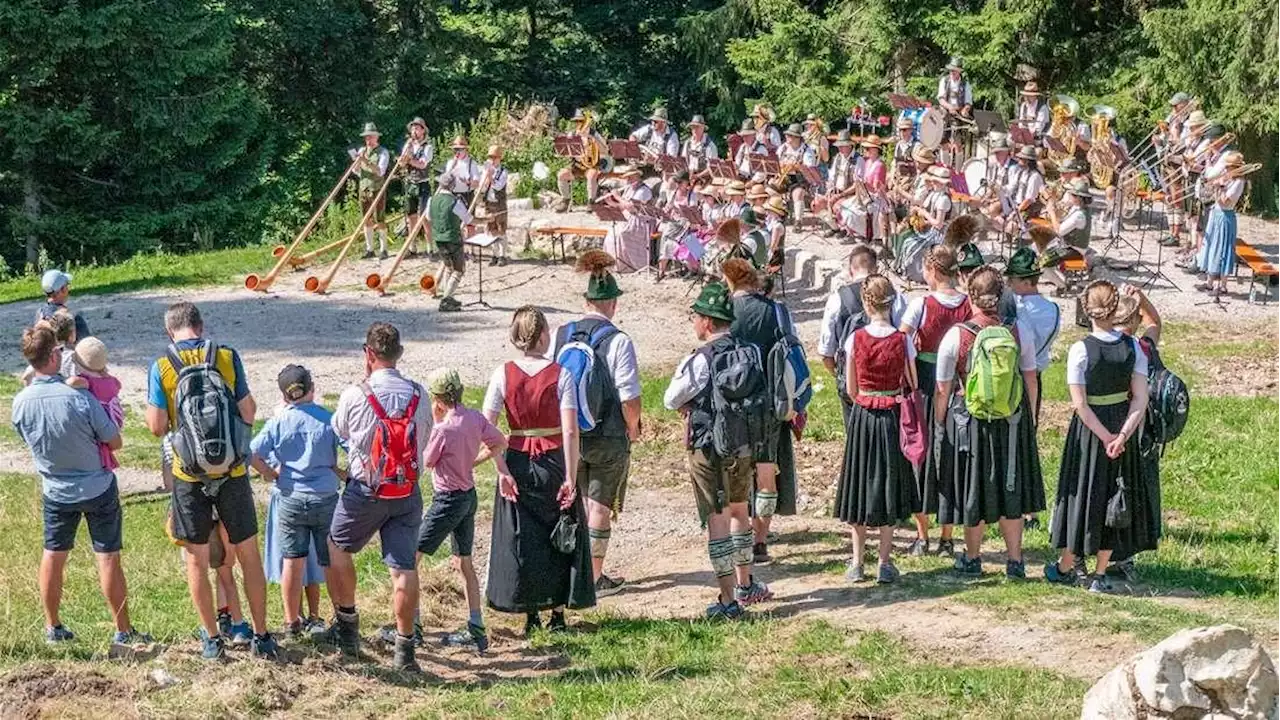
(581, 356)
(788, 370)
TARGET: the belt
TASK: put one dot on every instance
(879, 393)
(929, 357)
(1113, 399)
(534, 432)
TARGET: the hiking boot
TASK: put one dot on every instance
(855, 573)
(1053, 574)
(58, 634)
(946, 548)
(969, 567)
(130, 637)
(720, 611)
(888, 573)
(224, 623)
(472, 634)
(919, 547)
(314, 628)
(557, 624)
(1100, 584)
(388, 633)
(241, 635)
(212, 648)
(345, 632)
(1015, 570)
(760, 554)
(606, 586)
(402, 657)
(756, 592)
(264, 646)
(532, 624)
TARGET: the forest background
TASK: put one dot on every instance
(131, 126)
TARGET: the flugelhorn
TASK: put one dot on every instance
(320, 285)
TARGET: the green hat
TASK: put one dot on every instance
(970, 257)
(444, 381)
(602, 286)
(748, 216)
(713, 302)
(1023, 264)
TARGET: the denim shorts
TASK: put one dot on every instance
(359, 515)
(303, 520)
(102, 514)
(452, 515)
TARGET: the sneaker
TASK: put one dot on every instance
(449, 305)
(1015, 570)
(58, 634)
(946, 548)
(314, 628)
(224, 623)
(345, 632)
(472, 634)
(606, 586)
(388, 634)
(760, 554)
(1099, 584)
(888, 573)
(241, 635)
(756, 592)
(367, 255)
(403, 658)
(1081, 569)
(130, 637)
(1124, 569)
(382, 255)
(969, 567)
(532, 624)
(264, 646)
(557, 624)
(919, 547)
(295, 630)
(212, 648)
(855, 573)
(720, 611)
(1053, 574)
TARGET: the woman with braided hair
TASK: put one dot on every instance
(988, 468)
(1101, 462)
(876, 487)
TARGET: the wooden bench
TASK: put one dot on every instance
(1259, 269)
(559, 233)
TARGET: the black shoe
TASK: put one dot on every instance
(367, 254)
(606, 586)
(345, 633)
(532, 624)
(449, 305)
(382, 255)
(494, 261)
(502, 262)
(412, 254)
(760, 554)
(1015, 570)
(557, 624)
(403, 658)
(946, 548)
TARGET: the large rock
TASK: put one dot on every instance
(1212, 672)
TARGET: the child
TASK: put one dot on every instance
(1107, 377)
(89, 361)
(63, 325)
(451, 453)
(927, 320)
(297, 450)
(877, 488)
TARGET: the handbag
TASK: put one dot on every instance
(912, 431)
(1118, 515)
(564, 536)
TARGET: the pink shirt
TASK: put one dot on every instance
(453, 446)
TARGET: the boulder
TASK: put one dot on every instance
(1210, 672)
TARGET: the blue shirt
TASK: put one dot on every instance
(63, 426)
(1044, 318)
(299, 442)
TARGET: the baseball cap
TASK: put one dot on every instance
(53, 281)
(444, 381)
(295, 382)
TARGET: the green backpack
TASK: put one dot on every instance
(993, 388)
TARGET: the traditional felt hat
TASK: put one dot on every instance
(757, 192)
(955, 63)
(810, 118)
(417, 121)
(735, 189)
(697, 120)
(714, 302)
(842, 139)
(794, 130)
(1078, 187)
(1031, 88)
(1023, 264)
(922, 154)
(748, 216)
(659, 114)
(601, 284)
(969, 257)
(1071, 165)
(459, 143)
(998, 142)
(1197, 118)
(1179, 98)
(1027, 152)
(938, 174)
(748, 127)
(905, 123)
(370, 129)
(776, 206)
(494, 151)
(91, 354)
(871, 141)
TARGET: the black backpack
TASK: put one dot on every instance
(852, 318)
(209, 437)
(741, 406)
(1168, 401)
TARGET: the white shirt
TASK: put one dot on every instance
(1034, 115)
(949, 350)
(1024, 184)
(916, 310)
(1230, 195)
(620, 356)
(698, 153)
(1045, 319)
(647, 135)
(961, 90)
(1075, 220)
(462, 175)
(827, 335)
(1078, 357)
(801, 154)
(354, 421)
(495, 397)
(692, 375)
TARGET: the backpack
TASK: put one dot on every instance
(853, 319)
(788, 370)
(741, 409)
(209, 437)
(392, 468)
(993, 387)
(581, 355)
(1168, 403)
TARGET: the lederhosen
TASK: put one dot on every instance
(1020, 186)
(577, 167)
(696, 154)
(495, 205)
(955, 96)
(788, 155)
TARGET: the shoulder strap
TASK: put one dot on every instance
(175, 358)
(970, 326)
(1057, 317)
(374, 405)
(211, 354)
(412, 407)
(603, 332)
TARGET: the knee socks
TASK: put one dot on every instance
(741, 548)
(368, 239)
(451, 283)
(599, 541)
(722, 556)
(565, 187)
(766, 503)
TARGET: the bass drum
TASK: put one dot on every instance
(930, 129)
(974, 172)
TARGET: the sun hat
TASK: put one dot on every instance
(1031, 88)
(91, 354)
(713, 302)
(757, 192)
(459, 143)
(938, 173)
(735, 188)
(775, 205)
(494, 151)
(748, 127)
(871, 141)
(906, 123)
(54, 280)
(1027, 152)
(1197, 118)
(842, 139)
(922, 154)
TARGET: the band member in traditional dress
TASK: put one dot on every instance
(793, 155)
(1023, 189)
(419, 152)
(588, 165)
(876, 488)
(752, 145)
(630, 244)
(860, 212)
(990, 193)
(735, 193)
(762, 117)
(656, 138)
(775, 211)
(528, 571)
(955, 96)
(1107, 378)
(1073, 232)
(728, 244)
(1033, 111)
(462, 172)
(1217, 256)
(493, 182)
(448, 216)
(903, 171)
(815, 136)
(841, 180)
(698, 149)
(1195, 145)
(375, 161)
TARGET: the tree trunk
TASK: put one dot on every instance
(31, 212)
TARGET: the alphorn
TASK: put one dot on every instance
(320, 285)
(261, 284)
(380, 282)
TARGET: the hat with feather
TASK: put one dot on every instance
(601, 284)
(961, 231)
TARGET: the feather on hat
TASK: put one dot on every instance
(961, 230)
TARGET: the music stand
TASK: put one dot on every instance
(624, 149)
(722, 169)
(988, 120)
(1021, 136)
(568, 146)
(1054, 145)
(764, 164)
(672, 164)
(690, 214)
(480, 241)
(811, 175)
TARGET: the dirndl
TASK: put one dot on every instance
(1087, 480)
(526, 572)
(876, 487)
(273, 549)
(987, 469)
(1217, 255)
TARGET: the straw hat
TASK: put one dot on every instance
(905, 123)
(871, 141)
(757, 192)
(997, 141)
(371, 129)
(1197, 118)
(417, 121)
(776, 206)
(1031, 88)
(922, 154)
(938, 174)
(762, 110)
(735, 189)
(1233, 158)
(629, 171)
(459, 143)
(91, 354)
(495, 151)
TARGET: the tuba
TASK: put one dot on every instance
(590, 150)
(1062, 128)
(1102, 155)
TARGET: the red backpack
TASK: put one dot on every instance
(392, 470)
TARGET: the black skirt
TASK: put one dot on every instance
(1151, 483)
(527, 573)
(1086, 482)
(876, 486)
(976, 481)
(926, 473)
